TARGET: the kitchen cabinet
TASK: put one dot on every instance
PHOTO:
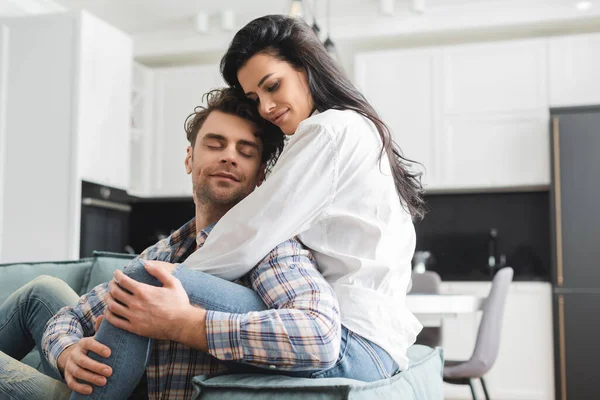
(104, 60)
(177, 91)
(574, 65)
(401, 85)
(497, 150)
(476, 116)
(141, 129)
(67, 113)
(579, 330)
(524, 367)
(494, 78)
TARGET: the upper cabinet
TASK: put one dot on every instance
(141, 129)
(494, 122)
(475, 116)
(574, 70)
(104, 62)
(494, 78)
(400, 85)
(176, 92)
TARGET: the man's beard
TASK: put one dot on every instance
(205, 194)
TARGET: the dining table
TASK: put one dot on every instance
(432, 309)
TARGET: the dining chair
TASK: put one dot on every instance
(488, 338)
(428, 282)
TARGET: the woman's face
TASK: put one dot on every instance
(280, 91)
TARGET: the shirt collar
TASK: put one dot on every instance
(201, 238)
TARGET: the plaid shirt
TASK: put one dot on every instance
(300, 331)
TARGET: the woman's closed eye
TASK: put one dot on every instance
(273, 87)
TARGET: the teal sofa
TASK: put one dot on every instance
(422, 381)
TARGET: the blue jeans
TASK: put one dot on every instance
(23, 317)
(359, 358)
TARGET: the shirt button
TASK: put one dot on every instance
(228, 356)
(272, 366)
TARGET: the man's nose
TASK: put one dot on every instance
(229, 155)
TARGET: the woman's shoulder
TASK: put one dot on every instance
(341, 125)
(336, 119)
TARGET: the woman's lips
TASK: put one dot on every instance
(280, 117)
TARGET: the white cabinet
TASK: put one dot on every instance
(475, 115)
(574, 70)
(177, 91)
(494, 151)
(524, 368)
(141, 129)
(494, 78)
(60, 110)
(401, 85)
(495, 116)
(104, 61)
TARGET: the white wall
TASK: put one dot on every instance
(36, 205)
(3, 98)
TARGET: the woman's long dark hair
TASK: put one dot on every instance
(293, 41)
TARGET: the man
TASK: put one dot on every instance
(288, 321)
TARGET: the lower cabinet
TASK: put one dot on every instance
(577, 347)
(524, 368)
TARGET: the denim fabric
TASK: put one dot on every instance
(23, 317)
(130, 352)
(359, 358)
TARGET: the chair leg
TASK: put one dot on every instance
(485, 391)
(472, 389)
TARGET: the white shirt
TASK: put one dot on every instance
(330, 188)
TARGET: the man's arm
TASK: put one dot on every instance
(71, 324)
(300, 331)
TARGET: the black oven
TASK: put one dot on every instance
(105, 219)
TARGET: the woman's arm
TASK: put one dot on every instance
(293, 199)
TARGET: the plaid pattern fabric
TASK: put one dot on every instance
(300, 331)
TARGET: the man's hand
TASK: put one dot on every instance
(76, 365)
(150, 311)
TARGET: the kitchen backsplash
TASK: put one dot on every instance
(456, 230)
(154, 219)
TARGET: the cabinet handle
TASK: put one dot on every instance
(557, 202)
(111, 205)
(561, 345)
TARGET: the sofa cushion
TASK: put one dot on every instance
(422, 381)
(104, 264)
(15, 275)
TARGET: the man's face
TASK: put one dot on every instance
(225, 162)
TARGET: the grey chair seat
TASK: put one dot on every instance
(464, 369)
(488, 338)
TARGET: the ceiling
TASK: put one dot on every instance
(166, 28)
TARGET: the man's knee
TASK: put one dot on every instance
(46, 284)
(137, 271)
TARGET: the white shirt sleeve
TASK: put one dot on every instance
(297, 193)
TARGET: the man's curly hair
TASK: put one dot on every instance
(230, 101)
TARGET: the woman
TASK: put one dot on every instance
(340, 185)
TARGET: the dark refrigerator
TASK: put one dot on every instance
(575, 209)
